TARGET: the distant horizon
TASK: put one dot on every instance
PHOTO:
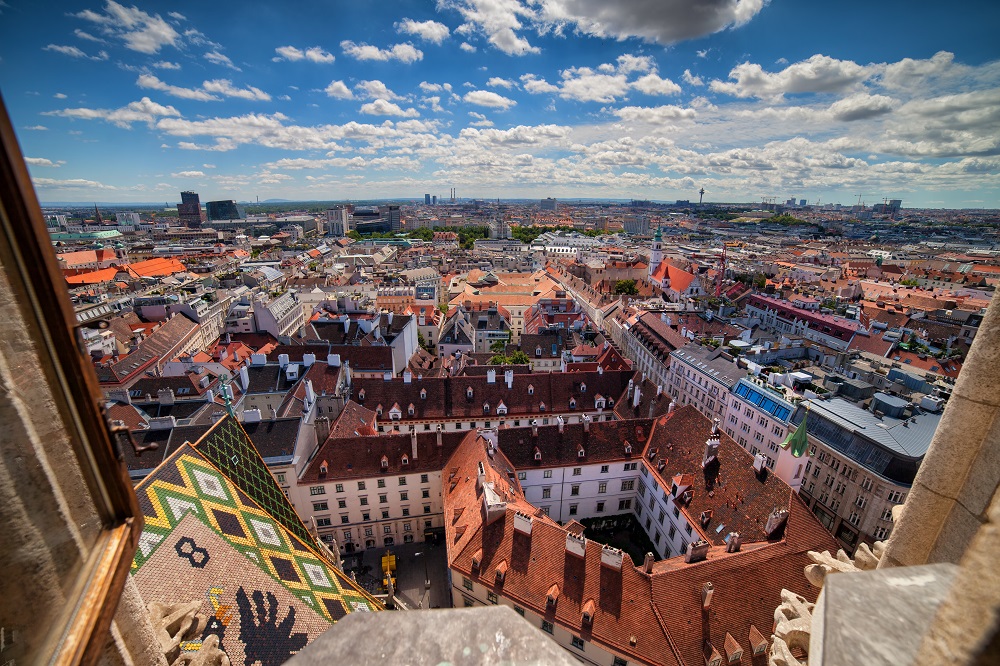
(533, 98)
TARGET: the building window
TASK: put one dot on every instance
(361, 485)
(600, 507)
(577, 642)
(341, 504)
(403, 497)
(322, 522)
(577, 471)
(385, 515)
(624, 505)
(519, 610)
(406, 526)
(280, 476)
(547, 474)
(688, 530)
(628, 485)
(423, 478)
(491, 597)
(364, 501)
(469, 603)
(345, 519)
(317, 490)
(425, 493)
(618, 661)
(602, 487)
(546, 493)
(427, 508)
(382, 499)
(546, 626)
(631, 467)
(574, 490)
(339, 488)
(381, 483)
(366, 516)
(521, 476)
(387, 529)
(369, 532)
(677, 512)
(406, 511)
(572, 509)
(320, 506)
(402, 480)
(347, 535)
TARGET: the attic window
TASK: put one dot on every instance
(486, 408)
(184, 390)
(531, 389)
(410, 410)
(572, 403)
(599, 403)
(378, 410)
(361, 395)
(541, 406)
(583, 387)
(628, 448)
(538, 352)
(406, 459)
(580, 452)
(538, 453)
(502, 409)
(468, 393)
(323, 468)
(385, 462)
(423, 394)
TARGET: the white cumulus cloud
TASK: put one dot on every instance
(488, 98)
(405, 53)
(381, 107)
(312, 54)
(429, 31)
(338, 90)
(140, 31)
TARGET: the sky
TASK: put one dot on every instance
(648, 99)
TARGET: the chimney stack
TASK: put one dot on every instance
(440, 443)
(322, 424)
(413, 445)
(647, 563)
(586, 422)
(636, 397)
(561, 423)
(534, 428)
(707, 590)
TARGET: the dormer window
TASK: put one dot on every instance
(406, 459)
(583, 387)
(531, 389)
(599, 402)
(538, 454)
(580, 453)
(323, 468)
(378, 410)
(502, 409)
(361, 395)
(468, 392)
(628, 449)
(410, 410)
(572, 403)
(538, 352)
(385, 462)
(423, 394)
(486, 408)
(541, 406)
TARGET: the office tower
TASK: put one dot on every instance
(391, 215)
(224, 210)
(337, 221)
(189, 210)
(548, 204)
(427, 200)
(434, 200)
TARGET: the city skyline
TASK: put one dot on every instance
(563, 98)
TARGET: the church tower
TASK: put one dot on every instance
(656, 256)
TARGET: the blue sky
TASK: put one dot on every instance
(507, 98)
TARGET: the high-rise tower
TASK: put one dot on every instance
(656, 254)
(189, 210)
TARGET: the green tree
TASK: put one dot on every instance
(759, 281)
(498, 359)
(498, 346)
(519, 358)
(626, 287)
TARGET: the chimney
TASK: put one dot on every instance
(322, 425)
(775, 521)
(670, 409)
(491, 376)
(251, 416)
(659, 390)
(758, 462)
(733, 542)
(707, 590)
(413, 445)
(333, 360)
(522, 523)
(165, 396)
(440, 443)
(696, 551)
(576, 544)
(611, 557)
(508, 376)
(534, 428)
(636, 397)
(711, 448)
(407, 377)
(561, 423)
(245, 378)
(282, 360)
(387, 376)
(586, 422)
(308, 359)
(647, 563)
(631, 386)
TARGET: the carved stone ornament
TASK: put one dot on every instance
(175, 623)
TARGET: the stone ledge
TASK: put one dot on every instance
(458, 637)
(877, 617)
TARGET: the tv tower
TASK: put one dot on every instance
(701, 195)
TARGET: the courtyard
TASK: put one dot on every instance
(623, 532)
